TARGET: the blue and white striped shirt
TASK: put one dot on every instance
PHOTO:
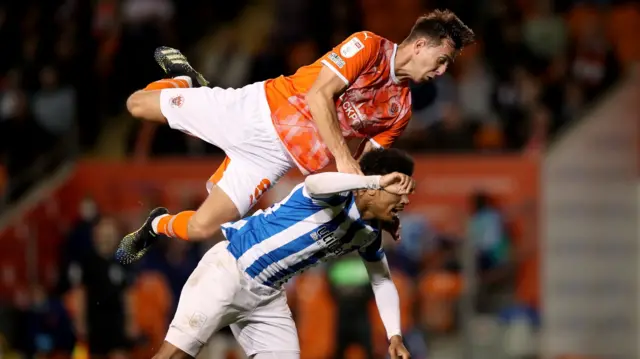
(298, 232)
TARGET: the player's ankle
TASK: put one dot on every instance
(155, 224)
(185, 78)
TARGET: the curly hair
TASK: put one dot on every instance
(385, 161)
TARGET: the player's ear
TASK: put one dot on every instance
(372, 192)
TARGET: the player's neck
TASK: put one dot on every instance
(403, 57)
(363, 207)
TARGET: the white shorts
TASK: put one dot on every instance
(238, 121)
(218, 294)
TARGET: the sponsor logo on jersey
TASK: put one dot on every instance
(351, 48)
(352, 113)
(336, 60)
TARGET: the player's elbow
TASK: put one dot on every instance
(311, 184)
(317, 97)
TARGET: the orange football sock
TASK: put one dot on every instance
(175, 225)
(176, 82)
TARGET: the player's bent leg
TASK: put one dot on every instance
(145, 104)
(234, 189)
(218, 208)
(170, 351)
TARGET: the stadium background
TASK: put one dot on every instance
(522, 239)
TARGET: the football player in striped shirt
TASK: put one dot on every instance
(239, 281)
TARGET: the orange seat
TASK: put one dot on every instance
(438, 293)
(489, 137)
(582, 16)
(623, 27)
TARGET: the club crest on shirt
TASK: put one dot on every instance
(351, 48)
(176, 101)
(393, 109)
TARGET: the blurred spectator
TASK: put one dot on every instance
(573, 105)
(54, 105)
(475, 84)
(593, 62)
(452, 134)
(426, 101)
(49, 326)
(505, 47)
(513, 99)
(488, 233)
(351, 288)
(77, 244)
(22, 141)
(101, 290)
(539, 123)
(418, 240)
(545, 33)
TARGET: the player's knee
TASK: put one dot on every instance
(202, 229)
(205, 228)
(135, 105)
(145, 105)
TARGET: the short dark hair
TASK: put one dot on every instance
(385, 161)
(442, 24)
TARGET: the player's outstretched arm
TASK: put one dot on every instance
(320, 99)
(328, 183)
(387, 300)
(385, 292)
(341, 67)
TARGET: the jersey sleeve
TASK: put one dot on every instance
(326, 200)
(388, 137)
(353, 56)
(374, 251)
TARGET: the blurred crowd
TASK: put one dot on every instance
(67, 67)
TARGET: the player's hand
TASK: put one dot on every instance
(394, 228)
(397, 349)
(397, 183)
(348, 165)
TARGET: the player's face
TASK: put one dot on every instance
(387, 206)
(430, 60)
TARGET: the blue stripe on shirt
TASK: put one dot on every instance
(292, 247)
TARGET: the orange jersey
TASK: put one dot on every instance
(375, 104)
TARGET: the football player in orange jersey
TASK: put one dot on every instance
(359, 89)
